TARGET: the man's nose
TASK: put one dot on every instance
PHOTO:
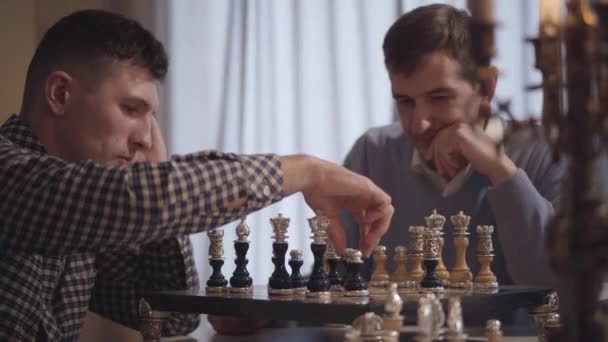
(421, 122)
(142, 137)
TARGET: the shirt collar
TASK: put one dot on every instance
(20, 134)
(494, 129)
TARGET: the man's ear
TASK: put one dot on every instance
(488, 83)
(57, 91)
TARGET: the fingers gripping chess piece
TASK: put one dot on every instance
(318, 284)
(279, 282)
(437, 221)
(240, 281)
(461, 275)
(295, 262)
(216, 282)
(379, 277)
(416, 243)
(354, 284)
(485, 279)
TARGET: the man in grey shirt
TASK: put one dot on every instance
(448, 153)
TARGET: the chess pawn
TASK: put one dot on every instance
(216, 282)
(379, 277)
(416, 253)
(455, 321)
(355, 285)
(393, 320)
(298, 282)
(485, 279)
(240, 281)
(333, 261)
(437, 221)
(400, 276)
(493, 330)
(431, 257)
(279, 282)
(461, 275)
(318, 283)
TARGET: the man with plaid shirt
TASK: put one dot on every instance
(91, 213)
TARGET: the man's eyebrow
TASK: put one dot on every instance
(400, 96)
(440, 90)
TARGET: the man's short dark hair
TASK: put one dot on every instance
(89, 37)
(428, 29)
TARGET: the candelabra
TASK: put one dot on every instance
(572, 55)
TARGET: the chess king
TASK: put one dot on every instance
(447, 151)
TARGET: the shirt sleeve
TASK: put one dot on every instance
(524, 205)
(51, 207)
(124, 276)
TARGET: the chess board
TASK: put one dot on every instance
(478, 305)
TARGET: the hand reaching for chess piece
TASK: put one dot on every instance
(234, 326)
(329, 188)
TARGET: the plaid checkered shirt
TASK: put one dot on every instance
(79, 236)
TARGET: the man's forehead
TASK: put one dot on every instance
(433, 71)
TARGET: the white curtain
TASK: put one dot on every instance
(295, 76)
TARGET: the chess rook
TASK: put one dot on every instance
(485, 278)
(240, 281)
(216, 282)
(431, 257)
(318, 283)
(379, 278)
(336, 280)
(279, 282)
(354, 284)
(437, 221)
(416, 252)
(298, 282)
(461, 275)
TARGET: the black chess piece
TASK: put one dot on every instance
(217, 278)
(354, 281)
(279, 280)
(296, 262)
(240, 278)
(334, 275)
(318, 281)
(431, 280)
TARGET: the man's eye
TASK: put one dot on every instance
(405, 102)
(438, 98)
(129, 109)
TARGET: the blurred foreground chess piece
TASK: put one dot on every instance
(370, 327)
(542, 313)
(298, 282)
(455, 321)
(279, 282)
(354, 284)
(485, 279)
(416, 243)
(393, 320)
(318, 283)
(431, 257)
(379, 278)
(240, 282)
(217, 282)
(431, 318)
(461, 275)
(437, 221)
(494, 330)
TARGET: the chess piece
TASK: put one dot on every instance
(424, 319)
(279, 282)
(438, 316)
(379, 277)
(436, 221)
(318, 283)
(393, 320)
(354, 284)
(216, 282)
(298, 282)
(493, 330)
(485, 279)
(370, 327)
(240, 282)
(461, 275)
(431, 257)
(455, 321)
(400, 276)
(333, 261)
(416, 253)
